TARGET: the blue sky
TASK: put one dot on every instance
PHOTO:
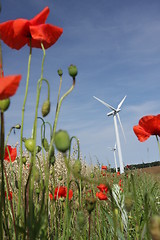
(116, 48)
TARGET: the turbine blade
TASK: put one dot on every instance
(120, 104)
(121, 126)
(106, 104)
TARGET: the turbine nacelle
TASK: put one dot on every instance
(112, 113)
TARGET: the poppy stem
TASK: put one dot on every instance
(22, 125)
(158, 144)
(57, 114)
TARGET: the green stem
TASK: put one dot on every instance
(59, 91)
(2, 198)
(158, 144)
(66, 221)
(57, 114)
(22, 125)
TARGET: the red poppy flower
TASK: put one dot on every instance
(62, 192)
(104, 168)
(51, 196)
(12, 154)
(118, 174)
(148, 125)
(9, 85)
(101, 196)
(17, 33)
(9, 195)
(103, 188)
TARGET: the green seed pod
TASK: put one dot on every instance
(52, 160)
(24, 160)
(128, 202)
(30, 144)
(60, 72)
(154, 227)
(81, 220)
(38, 149)
(77, 167)
(4, 104)
(92, 175)
(18, 126)
(45, 144)
(90, 204)
(60, 178)
(72, 71)
(62, 141)
(46, 108)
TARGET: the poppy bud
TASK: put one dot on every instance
(30, 144)
(128, 202)
(38, 149)
(62, 141)
(60, 178)
(81, 220)
(72, 71)
(77, 166)
(92, 175)
(4, 104)
(90, 204)
(45, 144)
(24, 160)
(154, 227)
(46, 108)
(52, 160)
(18, 126)
(60, 72)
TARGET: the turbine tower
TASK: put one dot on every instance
(115, 114)
(114, 152)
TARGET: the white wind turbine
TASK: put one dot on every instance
(114, 113)
(114, 152)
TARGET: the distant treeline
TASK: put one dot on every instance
(137, 166)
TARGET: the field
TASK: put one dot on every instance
(47, 190)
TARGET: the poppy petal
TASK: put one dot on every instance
(46, 34)
(11, 155)
(101, 196)
(141, 134)
(41, 17)
(9, 85)
(12, 33)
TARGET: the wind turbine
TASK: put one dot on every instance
(114, 152)
(115, 113)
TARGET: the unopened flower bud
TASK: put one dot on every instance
(4, 104)
(92, 175)
(90, 204)
(38, 149)
(18, 126)
(60, 72)
(62, 141)
(72, 71)
(46, 108)
(45, 144)
(30, 144)
(77, 167)
(24, 160)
